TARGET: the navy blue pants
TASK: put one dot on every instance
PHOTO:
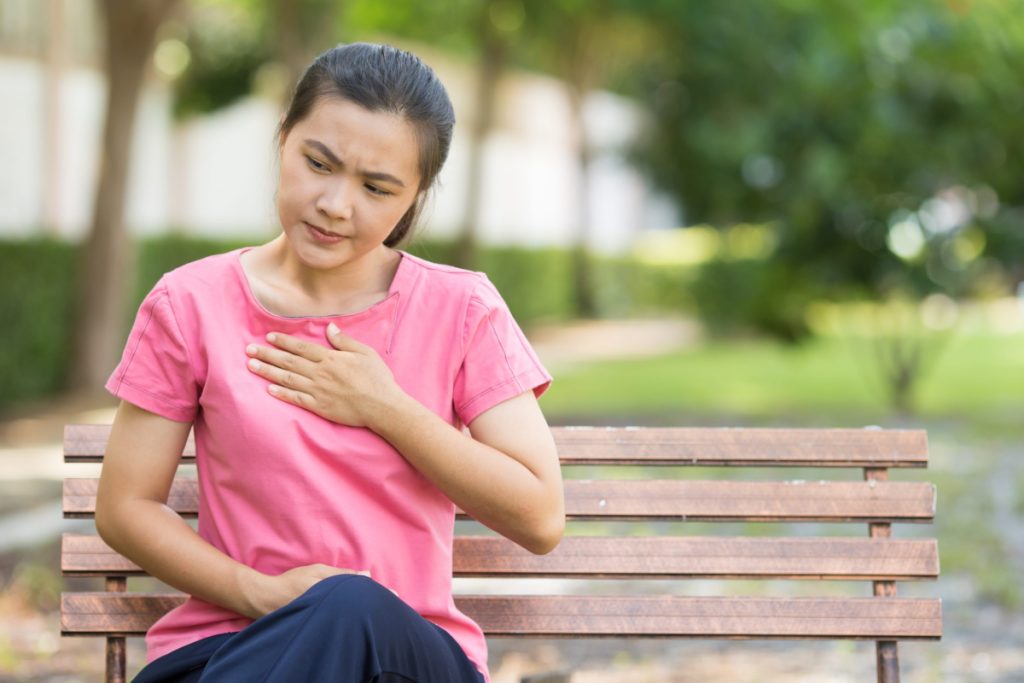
(345, 629)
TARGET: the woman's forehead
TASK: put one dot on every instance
(347, 128)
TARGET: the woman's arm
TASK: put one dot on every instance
(133, 518)
(506, 476)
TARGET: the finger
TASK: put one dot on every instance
(298, 398)
(299, 347)
(283, 378)
(286, 360)
(342, 341)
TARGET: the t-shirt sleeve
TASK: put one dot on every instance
(498, 362)
(155, 372)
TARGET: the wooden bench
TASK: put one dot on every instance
(672, 504)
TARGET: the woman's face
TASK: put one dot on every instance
(347, 176)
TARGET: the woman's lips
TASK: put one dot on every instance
(322, 235)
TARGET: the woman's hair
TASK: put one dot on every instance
(382, 78)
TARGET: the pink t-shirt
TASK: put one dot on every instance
(280, 486)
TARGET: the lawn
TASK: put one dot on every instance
(971, 403)
(977, 375)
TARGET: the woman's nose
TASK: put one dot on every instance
(335, 201)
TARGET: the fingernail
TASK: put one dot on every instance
(254, 364)
(251, 348)
(332, 328)
(271, 336)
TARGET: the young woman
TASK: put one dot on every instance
(345, 397)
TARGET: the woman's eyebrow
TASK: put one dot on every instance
(372, 175)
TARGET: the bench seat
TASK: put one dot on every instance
(596, 495)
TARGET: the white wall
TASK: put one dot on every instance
(214, 175)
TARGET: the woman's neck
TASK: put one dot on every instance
(350, 287)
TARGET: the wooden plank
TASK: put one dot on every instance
(668, 446)
(80, 497)
(750, 501)
(596, 616)
(743, 446)
(633, 557)
(113, 614)
(669, 500)
(718, 617)
(664, 557)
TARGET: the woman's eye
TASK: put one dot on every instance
(376, 190)
(316, 165)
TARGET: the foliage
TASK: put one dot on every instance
(37, 278)
(34, 362)
(227, 44)
(881, 140)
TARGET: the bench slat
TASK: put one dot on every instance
(129, 614)
(719, 617)
(745, 446)
(637, 557)
(672, 500)
(667, 446)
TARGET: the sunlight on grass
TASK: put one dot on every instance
(977, 374)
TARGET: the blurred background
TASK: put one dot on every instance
(778, 213)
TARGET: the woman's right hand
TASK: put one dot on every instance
(265, 593)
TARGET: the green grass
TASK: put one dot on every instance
(976, 376)
(970, 402)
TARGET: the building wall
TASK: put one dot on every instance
(215, 175)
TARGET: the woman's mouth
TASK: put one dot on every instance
(322, 235)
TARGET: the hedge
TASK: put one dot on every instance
(37, 278)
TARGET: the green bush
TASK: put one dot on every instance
(38, 280)
(624, 287)
(36, 314)
(734, 296)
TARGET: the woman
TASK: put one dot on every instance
(345, 397)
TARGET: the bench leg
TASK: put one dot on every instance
(117, 647)
(888, 661)
(553, 677)
(116, 660)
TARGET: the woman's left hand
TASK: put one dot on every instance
(344, 384)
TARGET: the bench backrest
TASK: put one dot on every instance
(594, 459)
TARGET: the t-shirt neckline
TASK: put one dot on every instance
(393, 290)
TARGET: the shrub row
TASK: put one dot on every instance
(37, 278)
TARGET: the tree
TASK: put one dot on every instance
(106, 266)
(585, 44)
(881, 141)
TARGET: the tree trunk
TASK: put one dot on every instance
(106, 271)
(581, 69)
(491, 65)
(303, 30)
(581, 273)
(56, 61)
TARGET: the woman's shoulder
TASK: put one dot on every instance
(202, 273)
(430, 275)
(441, 290)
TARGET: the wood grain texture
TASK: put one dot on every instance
(719, 617)
(633, 557)
(669, 500)
(113, 614)
(668, 446)
(595, 616)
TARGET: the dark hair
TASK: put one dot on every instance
(382, 78)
